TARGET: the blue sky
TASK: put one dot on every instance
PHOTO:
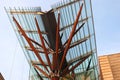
(12, 61)
(107, 25)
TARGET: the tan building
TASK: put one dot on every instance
(1, 77)
(110, 67)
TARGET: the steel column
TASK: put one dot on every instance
(43, 44)
(55, 78)
(71, 36)
(29, 42)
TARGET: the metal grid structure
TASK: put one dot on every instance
(68, 10)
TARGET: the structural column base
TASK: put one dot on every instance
(55, 78)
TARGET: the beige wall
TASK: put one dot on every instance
(110, 67)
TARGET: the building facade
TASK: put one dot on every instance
(110, 66)
(78, 61)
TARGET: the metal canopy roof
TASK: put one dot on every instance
(82, 45)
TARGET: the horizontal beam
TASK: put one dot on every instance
(36, 43)
(66, 71)
(33, 31)
(37, 50)
(25, 12)
(70, 25)
(29, 48)
(91, 69)
(69, 62)
(69, 3)
(20, 11)
(79, 57)
(40, 12)
(38, 63)
(78, 42)
(41, 70)
(74, 33)
(50, 51)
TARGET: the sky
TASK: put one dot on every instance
(13, 64)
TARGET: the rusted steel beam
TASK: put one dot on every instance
(67, 4)
(61, 36)
(75, 32)
(46, 42)
(42, 71)
(71, 36)
(55, 78)
(29, 42)
(50, 24)
(86, 74)
(79, 28)
(66, 71)
(78, 42)
(38, 74)
(36, 42)
(33, 31)
(43, 44)
(88, 67)
(57, 42)
(37, 50)
(70, 25)
(49, 50)
(38, 63)
(72, 61)
(26, 12)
